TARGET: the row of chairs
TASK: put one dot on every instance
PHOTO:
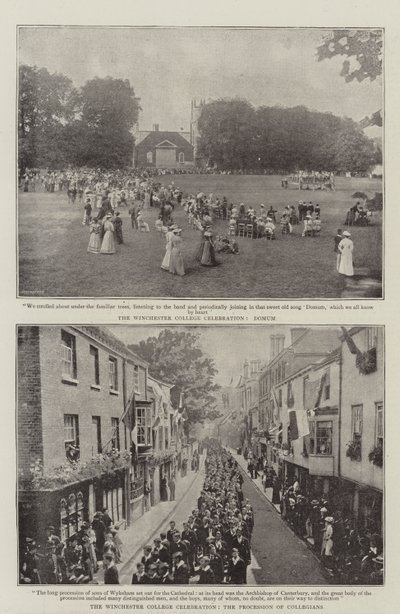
(245, 230)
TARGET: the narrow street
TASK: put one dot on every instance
(271, 562)
(152, 523)
(278, 556)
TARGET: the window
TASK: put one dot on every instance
(160, 437)
(371, 335)
(181, 157)
(68, 355)
(94, 353)
(323, 437)
(356, 423)
(243, 399)
(248, 397)
(166, 438)
(71, 429)
(280, 397)
(379, 425)
(150, 157)
(96, 424)
(136, 379)
(115, 440)
(113, 373)
(143, 431)
(71, 437)
(305, 380)
(327, 385)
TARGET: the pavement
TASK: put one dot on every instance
(147, 527)
(279, 557)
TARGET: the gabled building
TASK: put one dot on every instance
(362, 424)
(311, 403)
(162, 149)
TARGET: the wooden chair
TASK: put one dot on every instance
(241, 230)
(249, 230)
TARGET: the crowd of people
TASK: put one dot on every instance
(213, 545)
(75, 561)
(105, 193)
(350, 553)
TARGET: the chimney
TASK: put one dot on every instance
(297, 332)
(156, 127)
(277, 343)
(246, 369)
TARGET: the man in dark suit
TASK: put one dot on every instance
(171, 531)
(216, 564)
(237, 569)
(243, 548)
(110, 570)
(139, 576)
(179, 546)
(181, 570)
(206, 573)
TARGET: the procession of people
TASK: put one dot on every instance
(214, 545)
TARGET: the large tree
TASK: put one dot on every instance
(109, 110)
(177, 358)
(60, 125)
(227, 132)
(46, 103)
(282, 139)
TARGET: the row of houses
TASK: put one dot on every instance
(94, 430)
(315, 411)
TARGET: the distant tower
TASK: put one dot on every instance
(195, 112)
(277, 344)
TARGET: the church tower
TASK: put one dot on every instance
(195, 112)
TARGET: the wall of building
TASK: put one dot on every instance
(30, 428)
(366, 390)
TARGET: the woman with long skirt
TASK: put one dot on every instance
(208, 255)
(108, 244)
(345, 248)
(167, 258)
(176, 266)
(95, 238)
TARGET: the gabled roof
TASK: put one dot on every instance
(157, 137)
(166, 143)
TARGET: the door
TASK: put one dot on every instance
(165, 157)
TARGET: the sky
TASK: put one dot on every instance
(168, 67)
(228, 346)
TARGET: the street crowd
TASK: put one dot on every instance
(351, 553)
(213, 545)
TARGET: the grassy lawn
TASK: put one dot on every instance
(53, 260)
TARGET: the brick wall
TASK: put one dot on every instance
(81, 398)
(30, 439)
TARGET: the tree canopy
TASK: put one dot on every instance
(59, 124)
(177, 358)
(362, 50)
(235, 135)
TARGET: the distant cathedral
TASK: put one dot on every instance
(166, 149)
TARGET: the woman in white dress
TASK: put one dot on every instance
(168, 238)
(108, 244)
(176, 265)
(345, 248)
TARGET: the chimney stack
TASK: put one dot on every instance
(156, 127)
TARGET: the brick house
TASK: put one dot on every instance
(74, 384)
(162, 149)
